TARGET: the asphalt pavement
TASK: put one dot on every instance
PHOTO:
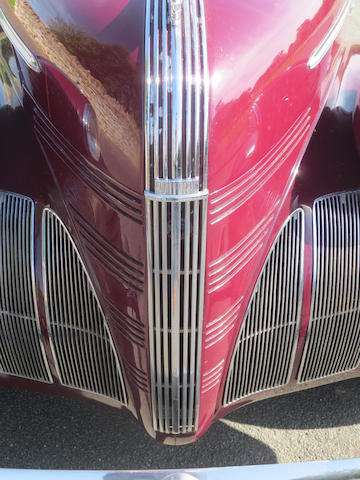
(39, 431)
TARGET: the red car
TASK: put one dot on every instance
(180, 202)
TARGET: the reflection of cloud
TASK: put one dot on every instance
(114, 118)
(274, 33)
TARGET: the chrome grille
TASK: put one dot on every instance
(21, 349)
(264, 351)
(84, 353)
(333, 340)
(176, 133)
(176, 296)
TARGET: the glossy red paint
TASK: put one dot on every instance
(264, 106)
(263, 113)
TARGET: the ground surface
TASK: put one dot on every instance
(38, 431)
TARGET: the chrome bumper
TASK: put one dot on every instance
(338, 470)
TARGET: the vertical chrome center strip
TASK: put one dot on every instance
(176, 124)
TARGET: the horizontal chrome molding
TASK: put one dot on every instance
(322, 49)
(82, 346)
(25, 53)
(177, 198)
(176, 143)
(264, 353)
(333, 339)
(22, 352)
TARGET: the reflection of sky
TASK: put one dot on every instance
(51, 9)
(92, 18)
(271, 32)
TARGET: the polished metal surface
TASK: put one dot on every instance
(176, 97)
(264, 352)
(319, 53)
(335, 470)
(25, 53)
(176, 131)
(333, 340)
(82, 346)
(21, 349)
(176, 262)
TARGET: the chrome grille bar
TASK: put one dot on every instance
(176, 123)
(264, 352)
(82, 346)
(333, 339)
(21, 349)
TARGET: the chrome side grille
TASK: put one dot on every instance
(264, 351)
(21, 349)
(333, 340)
(84, 353)
(176, 130)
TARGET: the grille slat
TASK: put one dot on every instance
(333, 340)
(264, 351)
(21, 349)
(84, 353)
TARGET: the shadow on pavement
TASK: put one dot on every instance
(60, 433)
(52, 432)
(324, 407)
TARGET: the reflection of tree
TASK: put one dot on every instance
(4, 54)
(7, 79)
(107, 63)
(12, 3)
(115, 119)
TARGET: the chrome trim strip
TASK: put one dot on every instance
(28, 57)
(321, 50)
(82, 346)
(176, 131)
(265, 350)
(332, 342)
(334, 470)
